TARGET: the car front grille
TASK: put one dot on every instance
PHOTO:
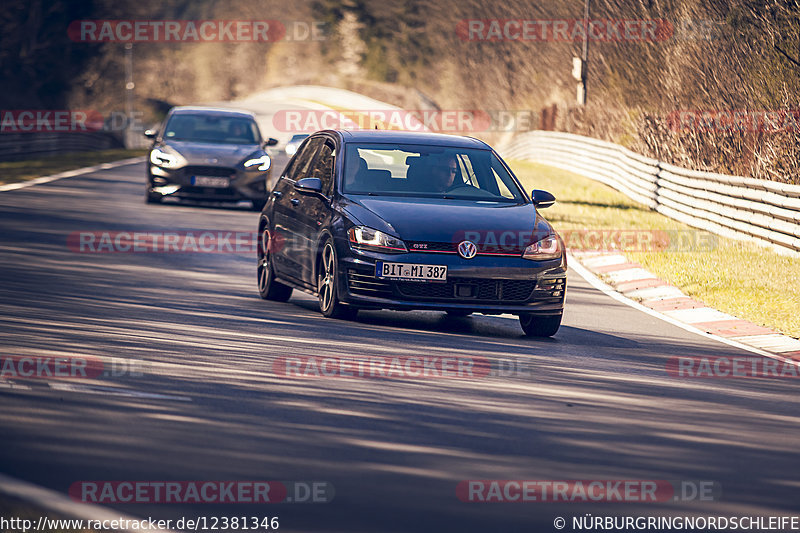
(469, 289)
(221, 172)
(208, 191)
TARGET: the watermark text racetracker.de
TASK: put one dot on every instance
(438, 120)
(732, 367)
(66, 367)
(735, 120)
(204, 492)
(596, 240)
(196, 31)
(586, 491)
(68, 120)
(198, 241)
(414, 367)
(565, 30)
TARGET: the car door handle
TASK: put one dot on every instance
(295, 201)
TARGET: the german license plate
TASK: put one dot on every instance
(210, 181)
(408, 271)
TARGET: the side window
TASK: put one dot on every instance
(323, 166)
(303, 159)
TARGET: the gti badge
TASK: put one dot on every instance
(467, 249)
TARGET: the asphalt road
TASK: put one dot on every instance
(595, 402)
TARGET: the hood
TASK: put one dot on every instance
(226, 155)
(420, 220)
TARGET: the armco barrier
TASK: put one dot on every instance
(17, 146)
(732, 206)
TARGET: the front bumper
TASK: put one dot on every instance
(486, 284)
(180, 183)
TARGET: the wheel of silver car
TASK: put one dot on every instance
(540, 326)
(327, 285)
(268, 288)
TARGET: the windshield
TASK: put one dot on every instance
(428, 171)
(212, 129)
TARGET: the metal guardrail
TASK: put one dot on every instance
(764, 211)
(17, 146)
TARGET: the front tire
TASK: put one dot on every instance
(268, 288)
(150, 198)
(328, 285)
(540, 326)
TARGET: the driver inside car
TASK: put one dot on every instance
(444, 174)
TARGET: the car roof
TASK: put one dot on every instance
(410, 137)
(184, 110)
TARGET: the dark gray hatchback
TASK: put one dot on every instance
(203, 153)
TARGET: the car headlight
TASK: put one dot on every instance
(291, 149)
(163, 159)
(364, 238)
(547, 248)
(263, 162)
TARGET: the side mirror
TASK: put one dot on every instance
(542, 199)
(309, 185)
(270, 142)
(151, 134)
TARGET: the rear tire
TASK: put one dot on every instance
(150, 198)
(540, 326)
(328, 285)
(268, 288)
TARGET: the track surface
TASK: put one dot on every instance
(596, 402)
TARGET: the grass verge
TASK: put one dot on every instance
(16, 171)
(739, 278)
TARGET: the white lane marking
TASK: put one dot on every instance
(115, 391)
(57, 502)
(4, 384)
(70, 174)
(699, 314)
(629, 274)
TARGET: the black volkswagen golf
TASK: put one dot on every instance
(398, 220)
(204, 153)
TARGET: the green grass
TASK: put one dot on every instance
(739, 278)
(16, 171)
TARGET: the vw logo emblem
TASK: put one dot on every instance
(467, 249)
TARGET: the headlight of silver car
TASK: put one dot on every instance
(164, 159)
(364, 238)
(263, 162)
